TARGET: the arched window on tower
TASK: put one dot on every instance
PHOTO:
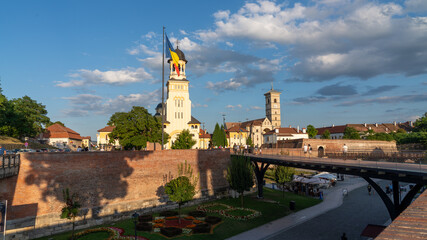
(275, 100)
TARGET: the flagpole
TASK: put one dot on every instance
(163, 87)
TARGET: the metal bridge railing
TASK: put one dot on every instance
(9, 165)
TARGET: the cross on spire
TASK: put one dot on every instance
(177, 42)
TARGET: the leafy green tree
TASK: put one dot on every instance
(420, 124)
(351, 133)
(34, 115)
(283, 175)
(135, 128)
(249, 141)
(22, 117)
(326, 134)
(71, 209)
(57, 122)
(184, 140)
(217, 136)
(312, 131)
(240, 175)
(181, 189)
(380, 136)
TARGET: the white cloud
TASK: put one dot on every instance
(198, 105)
(416, 5)
(256, 108)
(86, 104)
(141, 48)
(332, 38)
(113, 77)
(223, 86)
(231, 107)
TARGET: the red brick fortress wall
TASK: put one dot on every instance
(334, 146)
(108, 183)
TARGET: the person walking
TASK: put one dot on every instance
(369, 189)
(305, 149)
(2, 150)
(344, 151)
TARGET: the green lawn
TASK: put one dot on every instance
(270, 211)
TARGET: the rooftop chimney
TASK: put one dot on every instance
(333, 125)
(365, 124)
(304, 130)
(298, 128)
(411, 123)
(394, 123)
(290, 126)
(277, 130)
(376, 124)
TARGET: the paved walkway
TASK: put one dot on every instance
(333, 198)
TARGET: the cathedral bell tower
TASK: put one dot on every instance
(178, 103)
(272, 107)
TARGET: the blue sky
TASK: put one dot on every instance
(335, 61)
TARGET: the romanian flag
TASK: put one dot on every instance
(170, 53)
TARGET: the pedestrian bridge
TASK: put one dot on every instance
(388, 170)
(9, 165)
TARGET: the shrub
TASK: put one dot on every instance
(144, 226)
(202, 228)
(171, 231)
(212, 219)
(145, 218)
(197, 214)
(168, 213)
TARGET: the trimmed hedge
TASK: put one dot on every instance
(171, 231)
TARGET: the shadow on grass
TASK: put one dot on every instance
(228, 228)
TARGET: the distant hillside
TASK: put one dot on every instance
(12, 143)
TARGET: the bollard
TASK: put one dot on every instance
(292, 205)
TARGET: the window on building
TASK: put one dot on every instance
(275, 100)
(195, 126)
(275, 118)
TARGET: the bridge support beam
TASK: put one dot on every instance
(395, 207)
(259, 174)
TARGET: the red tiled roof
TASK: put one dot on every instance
(410, 224)
(334, 129)
(236, 129)
(203, 134)
(231, 124)
(58, 131)
(107, 129)
(284, 131)
(88, 137)
(372, 230)
(256, 122)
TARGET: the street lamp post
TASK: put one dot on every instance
(135, 220)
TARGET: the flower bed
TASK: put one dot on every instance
(226, 209)
(226, 213)
(213, 207)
